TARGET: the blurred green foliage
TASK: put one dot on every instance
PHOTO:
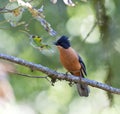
(101, 55)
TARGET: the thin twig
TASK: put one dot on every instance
(26, 32)
(30, 76)
(91, 30)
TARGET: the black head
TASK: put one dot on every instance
(63, 42)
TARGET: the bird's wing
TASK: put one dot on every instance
(83, 67)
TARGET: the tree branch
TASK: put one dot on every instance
(55, 75)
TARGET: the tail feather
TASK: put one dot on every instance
(83, 89)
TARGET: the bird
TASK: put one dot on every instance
(73, 63)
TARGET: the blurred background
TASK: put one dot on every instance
(98, 44)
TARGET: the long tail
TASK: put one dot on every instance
(83, 89)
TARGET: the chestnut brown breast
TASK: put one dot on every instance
(70, 61)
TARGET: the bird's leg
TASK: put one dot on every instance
(67, 73)
(70, 82)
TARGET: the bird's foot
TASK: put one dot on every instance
(67, 73)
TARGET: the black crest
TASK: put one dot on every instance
(63, 41)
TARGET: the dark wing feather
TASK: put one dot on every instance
(83, 66)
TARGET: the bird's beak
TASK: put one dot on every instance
(55, 43)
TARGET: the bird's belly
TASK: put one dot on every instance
(71, 63)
